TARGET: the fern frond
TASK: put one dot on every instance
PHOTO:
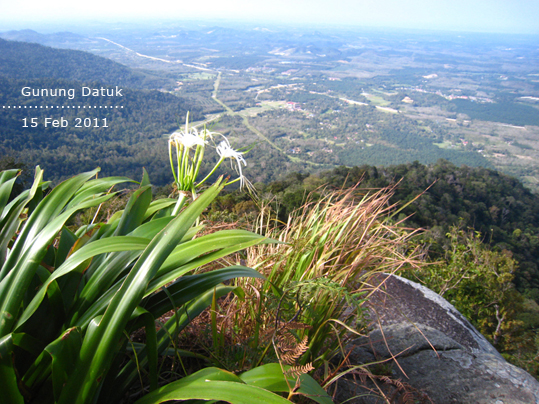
(299, 370)
(292, 353)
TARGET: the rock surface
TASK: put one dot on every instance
(436, 350)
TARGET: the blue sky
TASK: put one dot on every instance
(504, 16)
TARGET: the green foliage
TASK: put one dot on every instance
(523, 350)
(70, 299)
(478, 282)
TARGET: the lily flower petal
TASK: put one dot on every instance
(188, 139)
(226, 151)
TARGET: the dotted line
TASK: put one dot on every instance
(60, 107)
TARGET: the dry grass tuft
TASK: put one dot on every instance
(320, 273)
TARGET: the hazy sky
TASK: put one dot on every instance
(506, 16)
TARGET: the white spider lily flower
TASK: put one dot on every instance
(226, 151)
(188, 139)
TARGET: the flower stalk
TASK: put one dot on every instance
(188, 145)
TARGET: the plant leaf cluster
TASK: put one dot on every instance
(69, 300)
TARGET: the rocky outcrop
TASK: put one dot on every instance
(419, 344)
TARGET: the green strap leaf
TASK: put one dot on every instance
(145, 178)
(172, 275)
(11, 219)
(49, 207)
(63, 352)
(10, 390)
(5, 191)
(271, 377)
(199, 246)
(151, 348)
(6, 175)
(189, 287)
(106, 274)
(158, 205)
(134, 211)
(213, 384)
(123, 243)
(28, 343)
(95, 187)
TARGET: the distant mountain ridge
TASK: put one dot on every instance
(29, 35)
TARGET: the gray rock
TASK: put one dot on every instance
(419, 343)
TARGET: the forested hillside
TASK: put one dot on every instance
(66, 134)
(22, 60)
